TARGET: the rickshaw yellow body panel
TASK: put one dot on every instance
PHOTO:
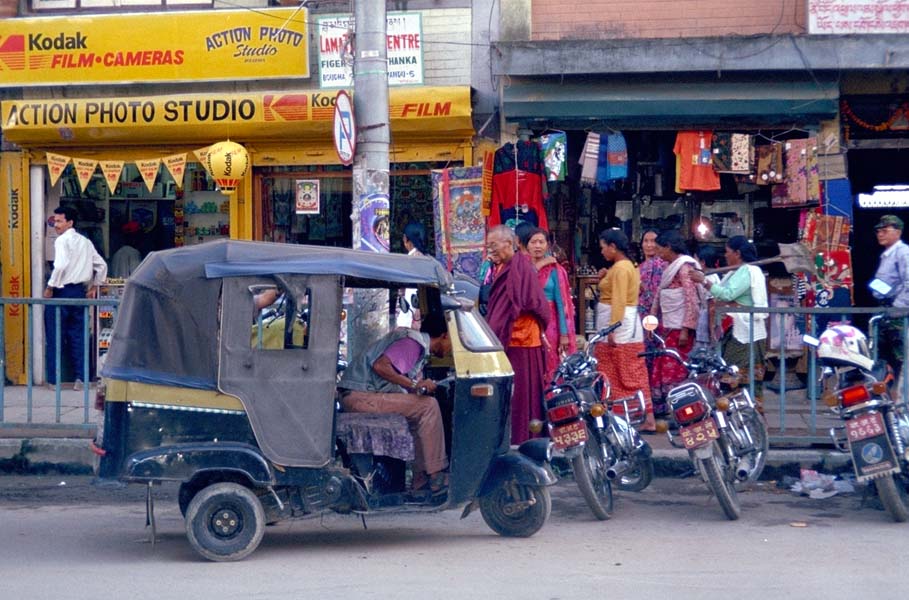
(472, 363)
(119, 390)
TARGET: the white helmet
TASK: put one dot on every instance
(844, 345)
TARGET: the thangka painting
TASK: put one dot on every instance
(459, 224)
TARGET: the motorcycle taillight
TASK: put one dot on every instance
(691, 412)
(854, 395)
(564, 412)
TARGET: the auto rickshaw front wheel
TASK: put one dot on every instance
(225, 522)
(516, 510)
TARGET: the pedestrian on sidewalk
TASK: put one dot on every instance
(891, 287)
(78, 269)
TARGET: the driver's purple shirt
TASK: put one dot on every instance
(404, 354)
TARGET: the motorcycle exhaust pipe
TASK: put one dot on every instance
(743, 468)
(617, 470)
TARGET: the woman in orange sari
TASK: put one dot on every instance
(554, 280)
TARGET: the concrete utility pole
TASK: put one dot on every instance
(371, 214)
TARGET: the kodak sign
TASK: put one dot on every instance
(174, 46)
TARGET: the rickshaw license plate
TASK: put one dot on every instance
(699, 434)
(566, 436)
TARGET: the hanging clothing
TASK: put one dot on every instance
(517, 186)
(769, 164)
(555, 155)
(612, 159)
(732, 153)
(588, 160)
(695, 161)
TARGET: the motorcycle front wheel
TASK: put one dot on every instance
(589, 471)
(758, 428)
(723, 490)
(892, 492)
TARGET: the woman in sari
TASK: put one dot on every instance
(618, 356)
(651, 270)
(745, 286)
(677, 305)
(560, 332)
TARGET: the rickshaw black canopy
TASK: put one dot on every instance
(167, 323)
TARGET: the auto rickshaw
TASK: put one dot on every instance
(195, 391)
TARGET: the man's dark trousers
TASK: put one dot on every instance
(72, 325)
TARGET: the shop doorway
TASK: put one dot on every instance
(868, 168)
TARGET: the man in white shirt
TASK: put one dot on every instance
(78, 269)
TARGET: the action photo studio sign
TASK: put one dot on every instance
(404, 47)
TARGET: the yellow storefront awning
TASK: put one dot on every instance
(416, 113)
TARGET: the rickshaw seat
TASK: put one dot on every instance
(384, 434)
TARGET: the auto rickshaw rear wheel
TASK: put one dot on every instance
(515, 509)
(225, 522)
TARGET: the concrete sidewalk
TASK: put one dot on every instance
(56, 437)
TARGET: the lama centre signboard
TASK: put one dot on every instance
(404, 47)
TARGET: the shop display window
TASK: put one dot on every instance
(163, 217)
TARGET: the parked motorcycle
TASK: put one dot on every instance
(584, 425)
(875, 428)
(717, 422)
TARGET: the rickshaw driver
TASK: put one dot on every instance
(387, 378)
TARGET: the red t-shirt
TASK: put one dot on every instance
(696, 172)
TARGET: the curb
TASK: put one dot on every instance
(73, 456)
(38, 456)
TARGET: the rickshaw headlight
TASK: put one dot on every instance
(535, 426)
(482, 390)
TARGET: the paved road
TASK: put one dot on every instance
(74, 541)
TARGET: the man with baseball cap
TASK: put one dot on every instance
(891, 286)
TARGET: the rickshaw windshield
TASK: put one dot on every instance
(475, 334)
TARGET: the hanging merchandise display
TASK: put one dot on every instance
(555, 154)
(801, 184)
(769, 164)
(732, 153)
(612, 159)
(589, 157)
(517, 186)
(459, 227)
(694, 160)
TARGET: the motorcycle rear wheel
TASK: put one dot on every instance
(723, 490)
(639, 478)
(589, 471)
(892, 493)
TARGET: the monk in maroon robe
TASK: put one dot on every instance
(518, 314)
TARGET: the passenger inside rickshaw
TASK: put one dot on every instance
(271, 329)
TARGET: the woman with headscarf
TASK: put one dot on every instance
(554, 280)
(618, 356)
(677, 305)
(745, 286)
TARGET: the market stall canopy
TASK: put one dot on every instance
(580, 103)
